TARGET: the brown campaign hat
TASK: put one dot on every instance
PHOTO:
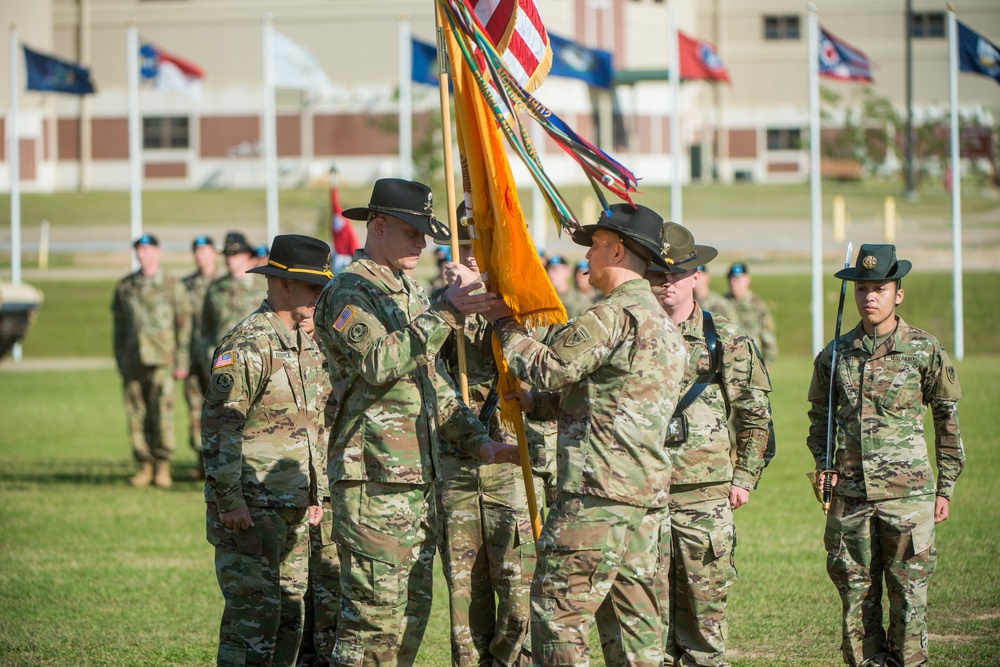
(680, 250)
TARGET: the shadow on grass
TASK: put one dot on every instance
(91, 472)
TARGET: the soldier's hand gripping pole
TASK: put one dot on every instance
(826, 476)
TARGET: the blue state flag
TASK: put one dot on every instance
(424, 64)
(574, 61)
(53, 74)
(977, 54)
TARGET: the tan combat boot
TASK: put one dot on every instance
(145, 475)
(162, 478)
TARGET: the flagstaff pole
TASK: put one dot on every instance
(449, 182)
(134, 136)
(673, 43)
(14, 165)
(269, 132)
(815, 195)
(956, 187)
(405, 98)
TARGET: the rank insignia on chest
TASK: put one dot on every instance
(345, 316)
(225, 359)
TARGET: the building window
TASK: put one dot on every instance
(784, 140)
(781, 27)
(927, 24)
(165, 132)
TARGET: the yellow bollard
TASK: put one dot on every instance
(889, 222)
(839, 219)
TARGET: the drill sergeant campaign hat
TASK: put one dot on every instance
(681, 251)
(298, 257)
(409, 201)
(876, 263)
(640, 228)
(235, 244)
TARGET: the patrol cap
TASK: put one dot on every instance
(876, 263)
(235, 244)
(298, 257)
(680, 250)
(146, 239)
(640, 228)
(583, 265)
(410, 201)
(261, 251)
(555, 260)
(201, 240)
(738, 269)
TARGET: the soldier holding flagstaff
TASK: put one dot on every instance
(880, 528)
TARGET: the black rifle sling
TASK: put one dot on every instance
(702, 381)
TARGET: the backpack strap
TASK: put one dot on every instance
(715, 374)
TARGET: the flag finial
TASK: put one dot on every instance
(951, 7)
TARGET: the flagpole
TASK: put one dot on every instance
(14, 162)
(134, 136)
(405, 98)
(269, 132)
(956, 187)
(673, 44)
(815, 195)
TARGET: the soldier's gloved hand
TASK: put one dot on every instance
(315, 515)
(499, 452)
(238, 519)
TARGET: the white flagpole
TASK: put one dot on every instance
(134, 136)
(269, 131)
(956, 187)
(815, 195)
(673, 44)
(405, 98)
(14, 162)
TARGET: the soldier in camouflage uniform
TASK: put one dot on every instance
(751, 312)
(396, 402)
(230, 298)
(196, 383)
(705, 486)
(152, 330)
(885, 502)
(708, 299)
(617, 369)
(487, 548)
(265, 451)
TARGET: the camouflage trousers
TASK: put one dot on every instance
(263, 572)
(195, 385)
(386, 537)
(322, 596)
(150, 393)
(488, 558)
(598, 560)
(699, 571)
(868, 542)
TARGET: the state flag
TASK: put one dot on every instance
(575, 61)
(700, 60)
(48, 73)
(977, 54)
(169, 72)
(840, 60)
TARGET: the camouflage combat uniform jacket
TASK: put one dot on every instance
(152, 323)
(227, 302)
(715, 303)
(263, 433)
(196, 285)
(395, 398)
(619, 368)
(706, 456)
(880, 402)
(752, 313)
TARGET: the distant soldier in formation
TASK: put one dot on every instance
(265, 456)
(196, 383)
(616, 371)
(487, 547)
(559, 274)
(230, 298)
(152, 332)
(880, 528)
(581, 280)
(751, 312)
(396, 404)
(725, 388)
(708, 299)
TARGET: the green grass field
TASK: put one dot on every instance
(93, 572)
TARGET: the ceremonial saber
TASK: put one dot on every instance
(825, 476)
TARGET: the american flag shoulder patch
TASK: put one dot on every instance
(224, 359)
(345, 316)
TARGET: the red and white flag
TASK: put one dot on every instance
(700, 60)
(515, 28)
(170, 72)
